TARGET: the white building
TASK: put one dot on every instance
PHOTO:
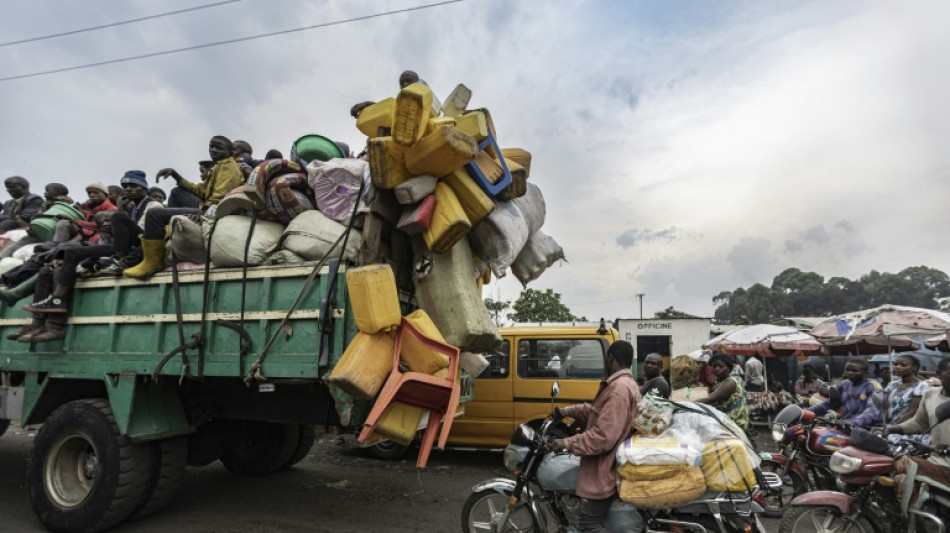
(667, 337)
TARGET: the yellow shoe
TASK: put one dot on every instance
(153, 252)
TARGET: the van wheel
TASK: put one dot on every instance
(4, 424)
(82, 474)
(308, 434)
(388, 450)
(262, 448)
(169, 459)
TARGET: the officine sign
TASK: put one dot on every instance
(654, 325)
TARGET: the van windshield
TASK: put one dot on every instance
(561, 358)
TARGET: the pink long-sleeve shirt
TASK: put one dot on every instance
(607, 421)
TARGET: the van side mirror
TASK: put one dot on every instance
(555, 390)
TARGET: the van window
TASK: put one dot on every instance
(498, 362)
(561, 358)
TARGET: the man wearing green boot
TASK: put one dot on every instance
(224, 176)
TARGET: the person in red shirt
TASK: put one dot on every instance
(98, 202)
(607, 423)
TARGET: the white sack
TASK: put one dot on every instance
(187, 242)
(311, 235)
(499, 237)
(540, 252)
(230, 238)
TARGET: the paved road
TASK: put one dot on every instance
(335, 489)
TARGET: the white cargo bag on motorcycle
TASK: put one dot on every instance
(702, 450)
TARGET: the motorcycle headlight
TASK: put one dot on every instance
(778, 432)
(844, 464)
(514, 456)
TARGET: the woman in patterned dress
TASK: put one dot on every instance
(903, 395)
(727, 393)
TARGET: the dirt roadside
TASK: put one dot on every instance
(335, 489)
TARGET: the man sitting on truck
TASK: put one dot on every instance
(223, 178)
(19, 210)
(123, 230)
(55, 282)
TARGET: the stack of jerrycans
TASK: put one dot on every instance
(367, 361)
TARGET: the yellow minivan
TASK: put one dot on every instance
(516, 387)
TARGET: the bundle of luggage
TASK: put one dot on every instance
(434, 199)
(700, 450)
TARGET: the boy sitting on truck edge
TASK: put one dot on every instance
(224, 177)
(55, 282)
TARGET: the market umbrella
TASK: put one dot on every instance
(938, 342)
(880, 330)
(766, 340)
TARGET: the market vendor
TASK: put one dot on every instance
(727, 394)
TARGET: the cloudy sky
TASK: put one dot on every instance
(683, 148)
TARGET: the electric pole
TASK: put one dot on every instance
(640, 296)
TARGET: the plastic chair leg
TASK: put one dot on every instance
(428, 439)
(449, 416)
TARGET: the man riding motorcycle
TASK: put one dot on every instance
(607, 424)
(856, 394)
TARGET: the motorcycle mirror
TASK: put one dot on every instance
(942, 412)
(834, 394)
(878, 401)
(555, 390)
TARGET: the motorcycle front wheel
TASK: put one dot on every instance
(483, 511)
(824, 519)
(777, 501)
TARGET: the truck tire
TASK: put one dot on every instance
(4, 424)
(169, 459)
(308, 434)
(262, 448)
(388, 450)
(84, 476)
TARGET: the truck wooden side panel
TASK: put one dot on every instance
(120, 330)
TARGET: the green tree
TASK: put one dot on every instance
(797, 293)
(496, 308)
(537, 306)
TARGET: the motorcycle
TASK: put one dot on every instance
(808, 443)
(866, 501)
(544, 487)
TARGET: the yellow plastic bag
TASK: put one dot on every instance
(683, 485)
(727, 466)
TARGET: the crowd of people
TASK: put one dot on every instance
(121, 231)
(861, 400)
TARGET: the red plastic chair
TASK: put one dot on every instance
(439, 395)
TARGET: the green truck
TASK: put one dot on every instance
(183, 369)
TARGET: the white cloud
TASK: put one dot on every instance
(807, 135)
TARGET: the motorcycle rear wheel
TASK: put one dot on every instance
(823, 519)
(482, 510)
